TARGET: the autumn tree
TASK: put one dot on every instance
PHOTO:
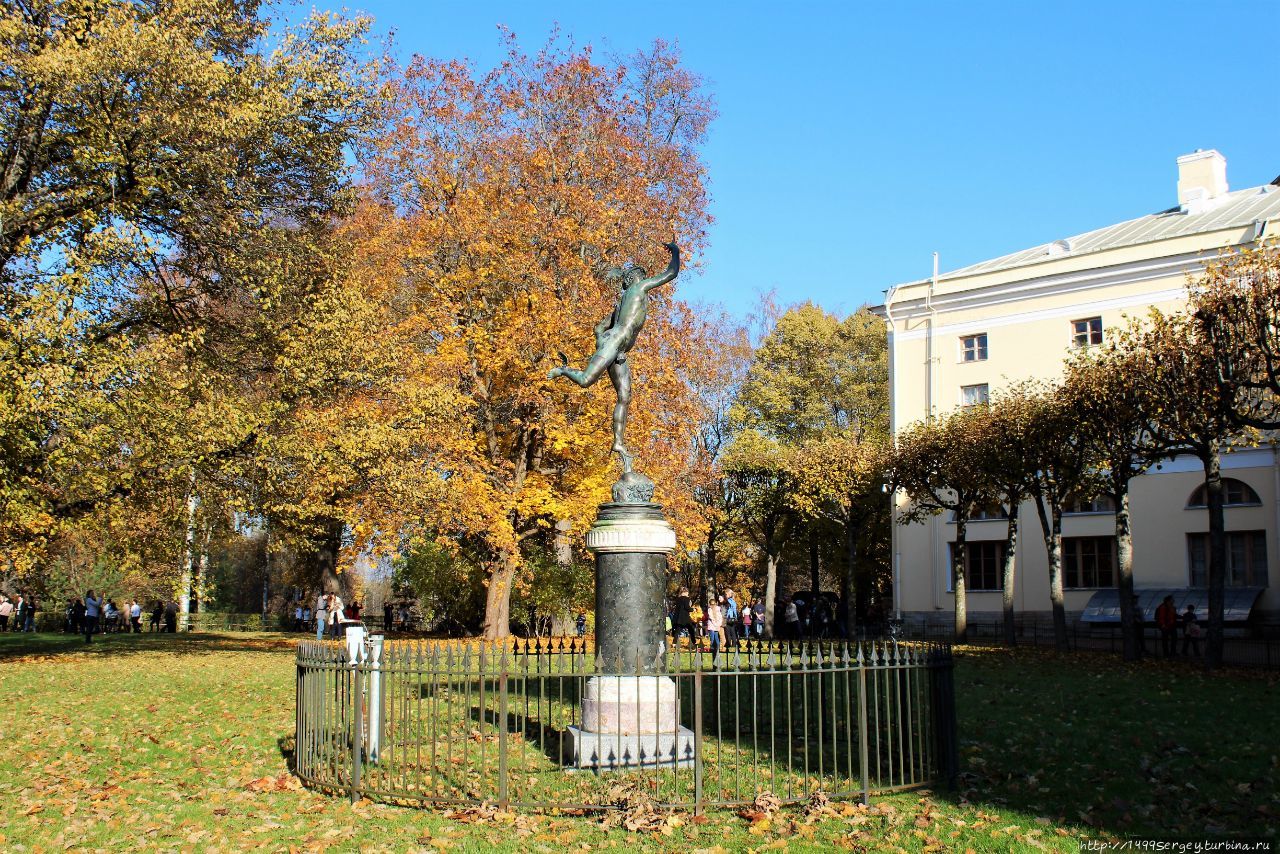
(1236, 305)
(940, 466)
(1110, 390)
(716, 491)
(758, 469)
(147, 152)
(840, 478)
(1189, 415)
(818, 385)
(1061, 468)
(1007, 459)
(499, 200)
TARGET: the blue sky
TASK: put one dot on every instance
(856, 139)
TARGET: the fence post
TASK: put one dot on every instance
(357, 724)
(944, 704)
(504, 799)
(864, 760)
(697, 738)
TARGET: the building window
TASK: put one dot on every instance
(1089, 562)
(973, 348)
(1098, 504)
(1246, 559)
(974, 395)
(984, 513)
(986, 565)
(1086, 332)
(1235, 493)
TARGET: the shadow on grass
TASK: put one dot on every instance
(1136, 750)
(50, 645)
(288, 746)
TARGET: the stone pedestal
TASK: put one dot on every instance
(630, 715)
(631, 542)
(630, 722)
(630, 704)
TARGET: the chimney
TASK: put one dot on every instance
(1202, 181)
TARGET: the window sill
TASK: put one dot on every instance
(1224, 506)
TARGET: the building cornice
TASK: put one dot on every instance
(1058, 284)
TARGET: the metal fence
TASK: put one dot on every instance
(1260, 649)
(461, 723)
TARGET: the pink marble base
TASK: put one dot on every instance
(630, 705)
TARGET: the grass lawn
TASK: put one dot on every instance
(178, 743)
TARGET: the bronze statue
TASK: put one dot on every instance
(615, 336)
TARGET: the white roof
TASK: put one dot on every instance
(1237, 209)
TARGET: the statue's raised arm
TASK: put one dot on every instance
(673, 270)
(615, 335)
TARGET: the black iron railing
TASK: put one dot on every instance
(463, 723)
(1260, 649)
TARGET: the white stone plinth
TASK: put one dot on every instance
(630, 705)
(595, 751)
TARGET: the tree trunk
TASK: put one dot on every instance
(770, 591)
(848, 587)
(1124, 583)
(815, 567)
(1051, 527)
(202, 571)
(959, 572)
(497, 603)
(1217, 556)
(326, 558)
(1009, 569)
(189, 556)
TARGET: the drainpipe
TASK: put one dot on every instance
(929, 414)
(895, 542)
(1275, 475)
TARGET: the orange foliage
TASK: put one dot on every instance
(491, 207)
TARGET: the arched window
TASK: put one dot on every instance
(1235, 493)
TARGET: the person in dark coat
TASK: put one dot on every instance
(681, 619)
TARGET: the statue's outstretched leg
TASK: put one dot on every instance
(620, 376)
(596, 366)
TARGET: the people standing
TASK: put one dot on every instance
(1167, 622)
(731, 618)
(715, 626)
(171, 617)
(92, 609)
(297, 617)
(580, 624)
(135, 617)
(157, 613)
(758, 618)
(336, 615)
(388, 615)
(6, 611)
(746, 621)
(322, 615)
(1191, 631)
(682, 618)
(20, 613)
(791, 616)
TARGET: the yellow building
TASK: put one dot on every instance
(957, 337)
